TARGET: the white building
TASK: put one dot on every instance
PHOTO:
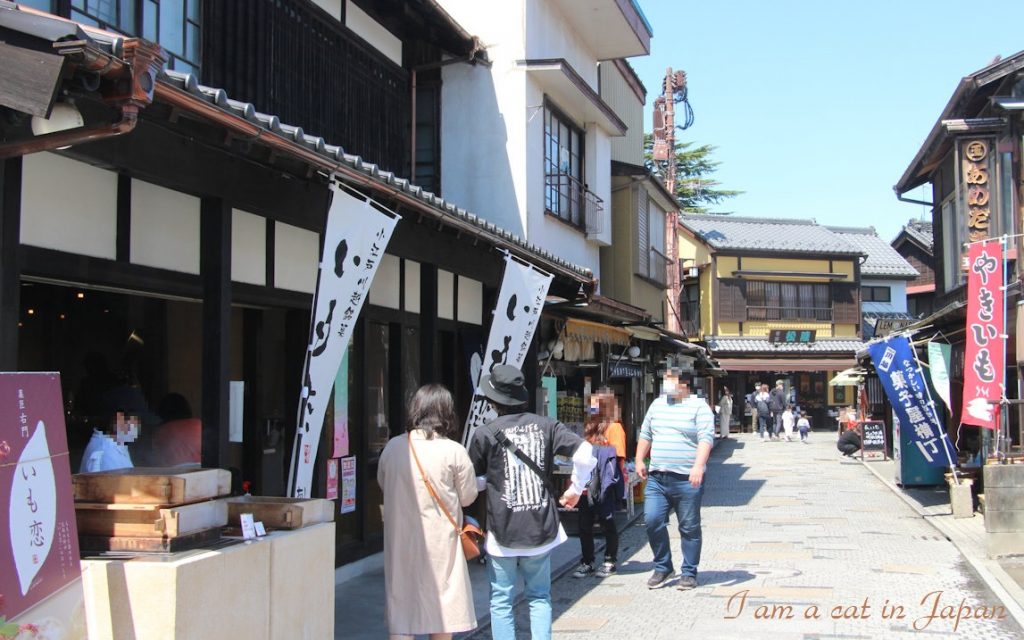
(527, 142)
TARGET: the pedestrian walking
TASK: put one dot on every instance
(603, 494)
(514, 455)
(677, 432)
(777, 404)
(724, 413)
(751, 399)
(804, 426)
(763, 413)
(426, 580)
(788, 422)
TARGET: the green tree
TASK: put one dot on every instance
(696, 190)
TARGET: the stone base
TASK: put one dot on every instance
(960, 498)
(1004, 509)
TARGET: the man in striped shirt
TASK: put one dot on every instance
(677, 433)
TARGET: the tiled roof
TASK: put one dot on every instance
(882, 259)
(335, 154)
(762, 345)
(767, 234)
(921, 231)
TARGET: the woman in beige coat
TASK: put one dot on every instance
(425, 574)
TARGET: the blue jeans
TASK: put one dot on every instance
(762, 423)
(671, 491)
(536, 572)
(778, 422)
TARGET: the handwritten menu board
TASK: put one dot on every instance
(873, 440)
(39, 561)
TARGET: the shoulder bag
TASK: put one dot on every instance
(470, 535)
(514, 449)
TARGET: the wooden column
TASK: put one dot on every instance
(215, 272)
(428, 324)
(10, 268)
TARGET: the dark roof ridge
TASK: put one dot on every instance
(865, 231)
(732, 218)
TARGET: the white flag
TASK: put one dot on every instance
(354, 243)
(520, 302)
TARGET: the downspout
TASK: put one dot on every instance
(899, 196)
(63, 139)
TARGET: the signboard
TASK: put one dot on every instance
(332, 479)
(976, 159)
(348, 484)
(873, 440)
(625, 370)
(353, 245)
(885, 326)
(520, 302)
(39, 559)
(792, 336)
(985, 350)
(904, 385)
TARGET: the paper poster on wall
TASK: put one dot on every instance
(348, 484)
(39, 560)
(332, 479)
(354, 240)
(341, 410)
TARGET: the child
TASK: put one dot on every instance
(804, 426)
(787, 422)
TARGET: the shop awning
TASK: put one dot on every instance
(786, 364)
(596, 332)
(848, 377)
(645, 333)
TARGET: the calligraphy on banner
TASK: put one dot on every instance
(904, 384)
(520, 302)
(354, 242)
(985, 351)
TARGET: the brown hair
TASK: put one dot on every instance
(597, 423)
(433, 410)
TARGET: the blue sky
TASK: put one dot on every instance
(816, 107)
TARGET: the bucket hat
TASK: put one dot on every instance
(504, 385)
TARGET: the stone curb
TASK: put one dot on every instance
(989, 571)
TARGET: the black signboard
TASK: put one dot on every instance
(873, 440)
(625, 370)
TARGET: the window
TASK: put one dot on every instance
(689, 308)
(651, 258)
(876, 294)
(173, 24)
(953, 233)
(563, 168)
(788, 301)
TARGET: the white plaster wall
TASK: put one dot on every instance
(68, 206)
(445, 294)
(471, 300)
(599, 179)
(384, 290)
(296, 257)
(412, 286)
(373, 32)
(550, 35)
(898, 296)
(248, 247)
(165, 228)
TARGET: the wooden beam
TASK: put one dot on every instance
(29, 79)
(10, 269)
(215, 273)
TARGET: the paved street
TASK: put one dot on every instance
(792, 527)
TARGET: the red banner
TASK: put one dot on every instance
(986, 345)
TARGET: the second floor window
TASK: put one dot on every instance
(173, 24)
(788, 301)
(563, 168)
(651, 259)
(876, 294)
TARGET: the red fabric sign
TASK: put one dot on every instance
(38, 536)
(986, 346)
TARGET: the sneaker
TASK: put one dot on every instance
(606, 570)
(658, 579)
(585, 569)
(686, 583)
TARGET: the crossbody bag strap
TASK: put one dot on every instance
(430, 487)
(514, 449)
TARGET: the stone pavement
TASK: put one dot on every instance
(791, 530)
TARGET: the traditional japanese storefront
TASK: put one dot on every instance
(179, 254)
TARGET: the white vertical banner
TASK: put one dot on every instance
(514, 321)
(357, 233)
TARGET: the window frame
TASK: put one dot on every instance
(554, 200)
(773, 294)
(869, 293)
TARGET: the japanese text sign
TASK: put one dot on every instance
(354, 242)
(904, 384)
(38, 536)
(985, 351)
(520, 302)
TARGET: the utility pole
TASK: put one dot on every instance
(673, 90)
